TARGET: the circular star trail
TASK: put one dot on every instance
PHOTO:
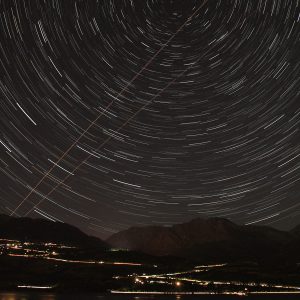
(210, 127)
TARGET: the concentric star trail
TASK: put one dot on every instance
(104, 142)
(108, 106)
(118, 113)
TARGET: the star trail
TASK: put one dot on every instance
(123, 112)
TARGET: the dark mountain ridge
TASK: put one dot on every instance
(41, 230)
(214, 239)
(202, 240)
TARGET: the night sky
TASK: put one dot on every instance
(126, 112)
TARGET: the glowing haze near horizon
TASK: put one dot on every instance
(221, 141)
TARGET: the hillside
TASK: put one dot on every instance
(40, 230)
(205, 240)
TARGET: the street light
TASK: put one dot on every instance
(178, 283)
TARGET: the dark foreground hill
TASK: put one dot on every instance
(211, 240)
(202, 240)
(40, 230)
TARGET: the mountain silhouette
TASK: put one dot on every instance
(41, 230)
(207, 240)
(202, 240)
